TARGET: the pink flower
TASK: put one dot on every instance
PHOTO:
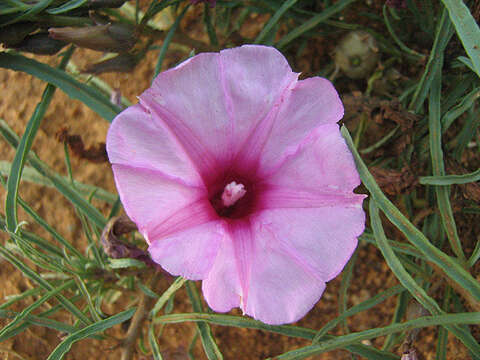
(236, 174)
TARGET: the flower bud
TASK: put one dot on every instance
(120, 63)
(111, 37)
(357, 54)
(40, 44)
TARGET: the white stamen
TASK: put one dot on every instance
(232, 193)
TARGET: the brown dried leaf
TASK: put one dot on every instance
(394, 182)
(95, 154)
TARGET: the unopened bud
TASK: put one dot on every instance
(120, 63)
(357, 54)
(112, 37)
(40, 44)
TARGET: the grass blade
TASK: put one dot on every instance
(167, 41)
(467, 30)
(60, 183)
(91, 97)
(363, 306)
(211, 349)
(442, 37)
(450, 266)
(31, 274)
(88, 331)
(438, 167)
(314, 21)
(451, 179)
(410, 284)
(287, 330)
(343, 341)
(273, 21)
(22, 315)
(176, 285)
(24, 146)
(69, 5)
(31, 175)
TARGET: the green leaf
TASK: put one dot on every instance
(31, 175)
(207, 19)
(287, 330)
(35, 9)
(91, 97)
(88, 331)
(31, 274)
(314, 21)
(168, 40)
(69, 5)
(357, 337)
(451, 179)
(458, 110)
(24, 146)
(467, 30)
(62, 185)
(450, 266)
(363, 306)
(211, 349)
(126, 263)
(43, 321)
(411, 285)
(4, 333)
(176, 285)
(442, 36)
(438, 167)
(273, 21)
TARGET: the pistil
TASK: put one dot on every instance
(232, 193)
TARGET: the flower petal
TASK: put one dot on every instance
(150, 199)
(221, 288)
(321, 164)
(189, 253)
(135, 140)
(189, 101)
(214, 102)
(311, 103)
(321, 239)
(255, 78)
(281, 288)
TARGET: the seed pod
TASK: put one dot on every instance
(112, 37)
(40, 44)
(120, 63)
(357, 54)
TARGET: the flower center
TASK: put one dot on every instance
(233, 196)
(232, 193)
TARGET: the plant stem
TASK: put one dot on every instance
(144, 306)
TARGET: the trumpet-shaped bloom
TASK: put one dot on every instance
(236, 174)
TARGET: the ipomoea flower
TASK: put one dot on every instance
(236, 174)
